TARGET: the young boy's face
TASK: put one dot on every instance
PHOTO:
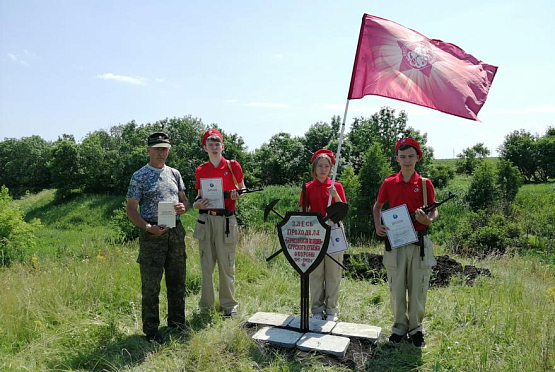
(407, 159)
(213, 148)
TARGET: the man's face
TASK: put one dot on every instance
(407, 159)
(158, 154)
(213, 147)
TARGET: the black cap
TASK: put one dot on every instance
(159, 139)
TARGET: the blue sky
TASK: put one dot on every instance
(255, 67)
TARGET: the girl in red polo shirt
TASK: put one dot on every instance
(325, 279)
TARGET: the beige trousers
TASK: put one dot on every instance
(324, 285)
(408, 273)
(217, 247)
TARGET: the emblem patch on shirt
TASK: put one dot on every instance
(416, 189)
(226, 173)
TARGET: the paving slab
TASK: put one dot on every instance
(314, 325)
(278, 336)
(362, 331)
(323, 343)
(271, 319)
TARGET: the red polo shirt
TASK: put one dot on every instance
(207, 170)
(399, 192)
(317, 195)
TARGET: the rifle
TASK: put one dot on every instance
(434, 205)
(242, 191)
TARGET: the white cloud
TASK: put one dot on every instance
(266, 105)
(160, 80)
(135, 80)
(17, 59)
(231, 100)
(278, 56)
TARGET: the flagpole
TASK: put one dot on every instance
(338, 154)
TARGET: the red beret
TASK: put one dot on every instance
(211, 132)
(323, 152)
(410, 142)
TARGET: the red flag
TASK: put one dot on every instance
(396, 62)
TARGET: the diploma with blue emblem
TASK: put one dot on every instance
(401, 230)
(212, 189)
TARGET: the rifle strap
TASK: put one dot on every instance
(424, 191)
(425, 200)
(231, 170)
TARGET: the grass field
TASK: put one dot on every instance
(74, 305)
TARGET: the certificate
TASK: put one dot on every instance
(166, 214)
(401, 231)
(338, 241)
(212, 189)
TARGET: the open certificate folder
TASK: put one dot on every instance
(401, 230)
(212, 189)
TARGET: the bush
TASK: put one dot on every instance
(481, 234)
(125, 230)
(441, 174)
(482, 191)
(16, 236)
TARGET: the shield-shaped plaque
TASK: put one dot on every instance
(304, 238)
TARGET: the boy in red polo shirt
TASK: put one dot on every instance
(409, 266)
(325, 279)
(216, 229)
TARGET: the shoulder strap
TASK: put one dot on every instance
(424, 191)
(231, 170)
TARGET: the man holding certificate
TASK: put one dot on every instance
(216, 228)
(159, 192)
(409, 255)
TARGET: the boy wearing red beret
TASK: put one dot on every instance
(409, 266)
(216, 230)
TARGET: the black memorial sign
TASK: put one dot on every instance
(304, 239)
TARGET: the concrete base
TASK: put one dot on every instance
(362, 331)
(328, 344)
(314, 325)
(272, 319)
(278, 336)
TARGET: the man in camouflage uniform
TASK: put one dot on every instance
(160, 247)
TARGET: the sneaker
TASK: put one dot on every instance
(418, 340)
(232, 314)
(318, 316)
(332, 318)
(155, 337)
(395, 338)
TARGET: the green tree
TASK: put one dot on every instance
(471, 157)
(482, 192)
(282, 161)
(385, 128)
(24, 164)
(508, 182)
(65, 168)
(375, 169)
(545, 150)
(520, 149)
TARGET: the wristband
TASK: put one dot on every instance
(198, 197)
(148, 226)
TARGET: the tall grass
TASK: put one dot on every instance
(82, 312)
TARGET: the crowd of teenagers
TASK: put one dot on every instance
(162, 248)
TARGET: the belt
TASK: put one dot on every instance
(217, 213)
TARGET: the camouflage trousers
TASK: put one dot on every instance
(156, 255)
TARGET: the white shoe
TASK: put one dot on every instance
(332, 318)
(318, 316)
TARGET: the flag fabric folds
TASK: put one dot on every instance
(396, 62)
